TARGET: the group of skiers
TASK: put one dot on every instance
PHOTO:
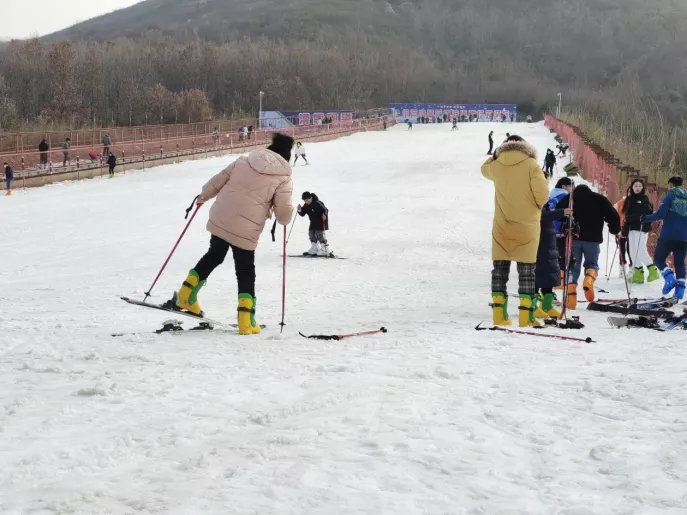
(532, 227)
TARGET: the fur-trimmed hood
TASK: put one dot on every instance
(514, 152)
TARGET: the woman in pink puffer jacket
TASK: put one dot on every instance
(247, 192)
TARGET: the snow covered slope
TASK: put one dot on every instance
(431, 418)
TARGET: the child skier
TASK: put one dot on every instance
(300, 152)
(636, 205)
(247, 192)
(549, 163)
(319, 223)
(112, 162)
(561, 190)
(673, 212)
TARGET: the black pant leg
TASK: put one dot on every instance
(244, 263)
(212, 258)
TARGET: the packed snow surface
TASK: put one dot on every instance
(431, 418)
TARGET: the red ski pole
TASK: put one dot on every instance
(174, 249)
(283, 286)
(529, 333)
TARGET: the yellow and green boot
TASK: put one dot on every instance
(654, 274)
(527, 308)
(500, 309)
(637, 276)
(187, 298)
(246, 315)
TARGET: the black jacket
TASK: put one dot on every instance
(43, 146)
(591, 210)
(315, 210)
(548, 273)
(9, 173)
(550, 160)
(112, 161)
(637, 206)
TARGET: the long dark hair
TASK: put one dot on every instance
(631, 193)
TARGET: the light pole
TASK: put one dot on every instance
(560, 103)
(262, 93)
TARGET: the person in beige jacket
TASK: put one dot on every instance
(248, 191)
(521, 192)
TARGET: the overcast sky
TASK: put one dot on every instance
(27, 18)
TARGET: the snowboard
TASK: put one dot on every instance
(649, 323)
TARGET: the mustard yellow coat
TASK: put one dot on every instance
(521, 192)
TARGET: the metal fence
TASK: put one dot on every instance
(34, 163)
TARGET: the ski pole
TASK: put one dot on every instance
(608, 271)
(608, 246)
(175, 245)
(283, 287)
(288, 238)
(338, 337)
(529, 333)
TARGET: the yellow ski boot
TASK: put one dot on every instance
(527, 308)
(187, 298)
(246, 311)
(500, 309)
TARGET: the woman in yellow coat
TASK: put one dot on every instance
(521, 192)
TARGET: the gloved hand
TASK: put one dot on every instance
(199, 201)
(299, 208)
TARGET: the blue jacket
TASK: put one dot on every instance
(673, 212)
(556, 195)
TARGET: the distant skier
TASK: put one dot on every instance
(112, 162)
(43, 148)
(562, 149)
(455, 125)
(319, 223)
(636, 205)
(9, 177)
(410, 125)
(491, 143)
(65, 151)
(300, 152)
(107, 141)
(591, 211)
(521, 192)
(247, 192)
(673, 239)
(549, 163)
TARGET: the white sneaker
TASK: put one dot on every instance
(313, 251)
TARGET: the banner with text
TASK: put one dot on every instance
(283, 119)
(461, 112)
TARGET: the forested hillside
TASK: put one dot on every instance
(140, 63)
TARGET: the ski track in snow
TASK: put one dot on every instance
(431, 418)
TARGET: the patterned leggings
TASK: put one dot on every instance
(526, 277)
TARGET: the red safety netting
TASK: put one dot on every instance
(603, 170)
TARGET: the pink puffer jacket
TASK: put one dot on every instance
(247, 192)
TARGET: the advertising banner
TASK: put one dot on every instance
(462, 112)
(283, 119)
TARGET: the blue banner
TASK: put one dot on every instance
(461, 112)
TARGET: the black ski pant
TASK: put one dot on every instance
(549, 171)
(244, 263)
(491, 148)
(112, 167)
(526, 277)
